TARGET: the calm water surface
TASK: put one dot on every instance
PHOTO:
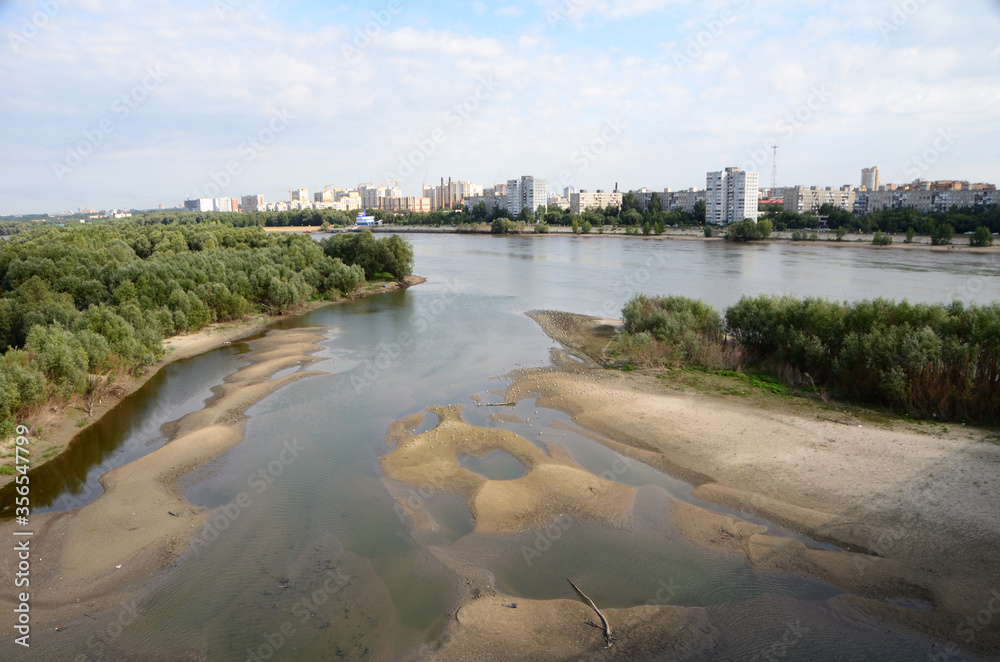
(320, 553)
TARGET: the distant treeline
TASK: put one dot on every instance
(926, 360)
(98, 300)
(891, 220)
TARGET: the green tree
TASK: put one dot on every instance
(708, 231)
(910, 233)
(699, 212)
(981, 237)
(941, 234)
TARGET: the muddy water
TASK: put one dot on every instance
(317, 564)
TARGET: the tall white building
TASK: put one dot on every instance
(526, 192)
(731, 195)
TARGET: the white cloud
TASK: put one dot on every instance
(363, 102)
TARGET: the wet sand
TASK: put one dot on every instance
(103, 554)
(913, 507)
(96, 556)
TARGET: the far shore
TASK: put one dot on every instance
(961, 242)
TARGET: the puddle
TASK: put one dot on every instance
(497, 465)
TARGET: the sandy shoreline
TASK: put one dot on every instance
(106, 552)
(62, 425)
(916, 507)
(697, 234)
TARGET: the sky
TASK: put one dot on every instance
(133, 104)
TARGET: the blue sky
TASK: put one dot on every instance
(120, 103)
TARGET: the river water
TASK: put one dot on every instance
(320, 566)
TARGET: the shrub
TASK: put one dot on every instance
(941, 234)
(708, 231)
(881, 239)
(981, 237)
(747, 230)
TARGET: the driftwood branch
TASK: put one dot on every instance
(502, 404)
(608, 637)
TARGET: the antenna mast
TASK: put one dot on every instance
(774, 171)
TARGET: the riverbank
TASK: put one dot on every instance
(54, 428)
(697, 234)
(911, 506)
(98, 557)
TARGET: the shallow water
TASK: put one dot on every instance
(321, 548)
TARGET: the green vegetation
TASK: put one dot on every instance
(981, 237)
(708, 231)
(392, 255)
(748, 230)
(941, 234)
(923, 360)
(803, 235)
(670, 330)
(80, 305)
(881, 239)
(910, 233)
(762, 382)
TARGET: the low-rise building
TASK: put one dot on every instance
(584, 200)
(801, 199)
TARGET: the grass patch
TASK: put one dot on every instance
(7, 470)
(762, 382)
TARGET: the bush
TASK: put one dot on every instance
(910, 233)
(708, 231)
(924, 359)
(941, 234)
(881, 239)
(981, 237)
(747, 230)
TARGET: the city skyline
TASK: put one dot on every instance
(115, 105)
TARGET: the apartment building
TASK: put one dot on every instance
(731, 195)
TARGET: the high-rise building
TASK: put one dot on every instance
(300, 195)
(253, 203)
(869, 178)
(731, 195)
(526, 192)
(200, 204)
